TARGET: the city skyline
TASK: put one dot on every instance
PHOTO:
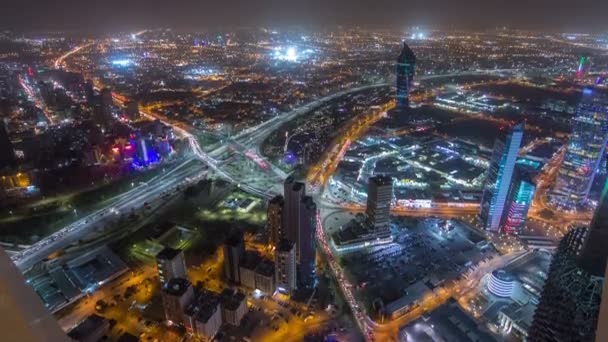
(329, 183)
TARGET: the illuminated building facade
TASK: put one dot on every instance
(518, 203)
(171, 264)
(569, 306)
(379, 198)
(583, 153)
(498, 183)
(299, 226)
(406, 67)
(285, 266)
(306, 250)
(274, 219)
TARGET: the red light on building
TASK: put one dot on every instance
(128, 147)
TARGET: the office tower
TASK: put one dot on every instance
(569, 305)
(496, 188)
(293, 193)
(379, 198)
(305, 246)
(89, 92)
(7, 154)
(583, 153)
(285, 266)
(23, 315)
(5, 108)
(406, 67)
(518, 202)
(584, 66)
(274, 219)
(234, 251)
(176, 295)
(106, 97)
(171, 264)
(132, 110)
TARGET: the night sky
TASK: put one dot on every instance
(114, 15)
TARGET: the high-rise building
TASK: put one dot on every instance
(274, 219)
(24, 317)
(176, 295)
(299, 226)
(583, 153)
(569, 305)
(305, 245)
(89, 92)
(496, 188)
(285, 266)
(293, 193)
(171, 264)
(406, 67)
(7, 153)
(132, 110)
(518, 202)
(379, 198)
(234, 251)
(106, 97)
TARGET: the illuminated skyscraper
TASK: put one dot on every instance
(569, 306)
(274, 219)
(406, 67)
(379, 198)
(518, 202)
(584, 152)
(584, 65)
(299, 226)
(7, 154)
(306, 250)
(294, 192)
(496, 188)
(285, 266)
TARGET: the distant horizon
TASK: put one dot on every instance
(115, 15)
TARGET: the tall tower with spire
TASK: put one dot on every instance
(406, 67)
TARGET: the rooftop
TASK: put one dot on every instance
(87, 327)
(168, 253)
(176, 286)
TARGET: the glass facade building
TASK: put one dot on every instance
(584, 152)
(519, 201)
(498, 183)
(406, 66)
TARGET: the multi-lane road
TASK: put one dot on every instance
(149, 195)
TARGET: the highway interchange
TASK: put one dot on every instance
(152, 194)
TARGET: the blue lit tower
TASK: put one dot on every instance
(569, 305)
(406, 67)
(518, 202)
(496, 188)
(583, 153)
